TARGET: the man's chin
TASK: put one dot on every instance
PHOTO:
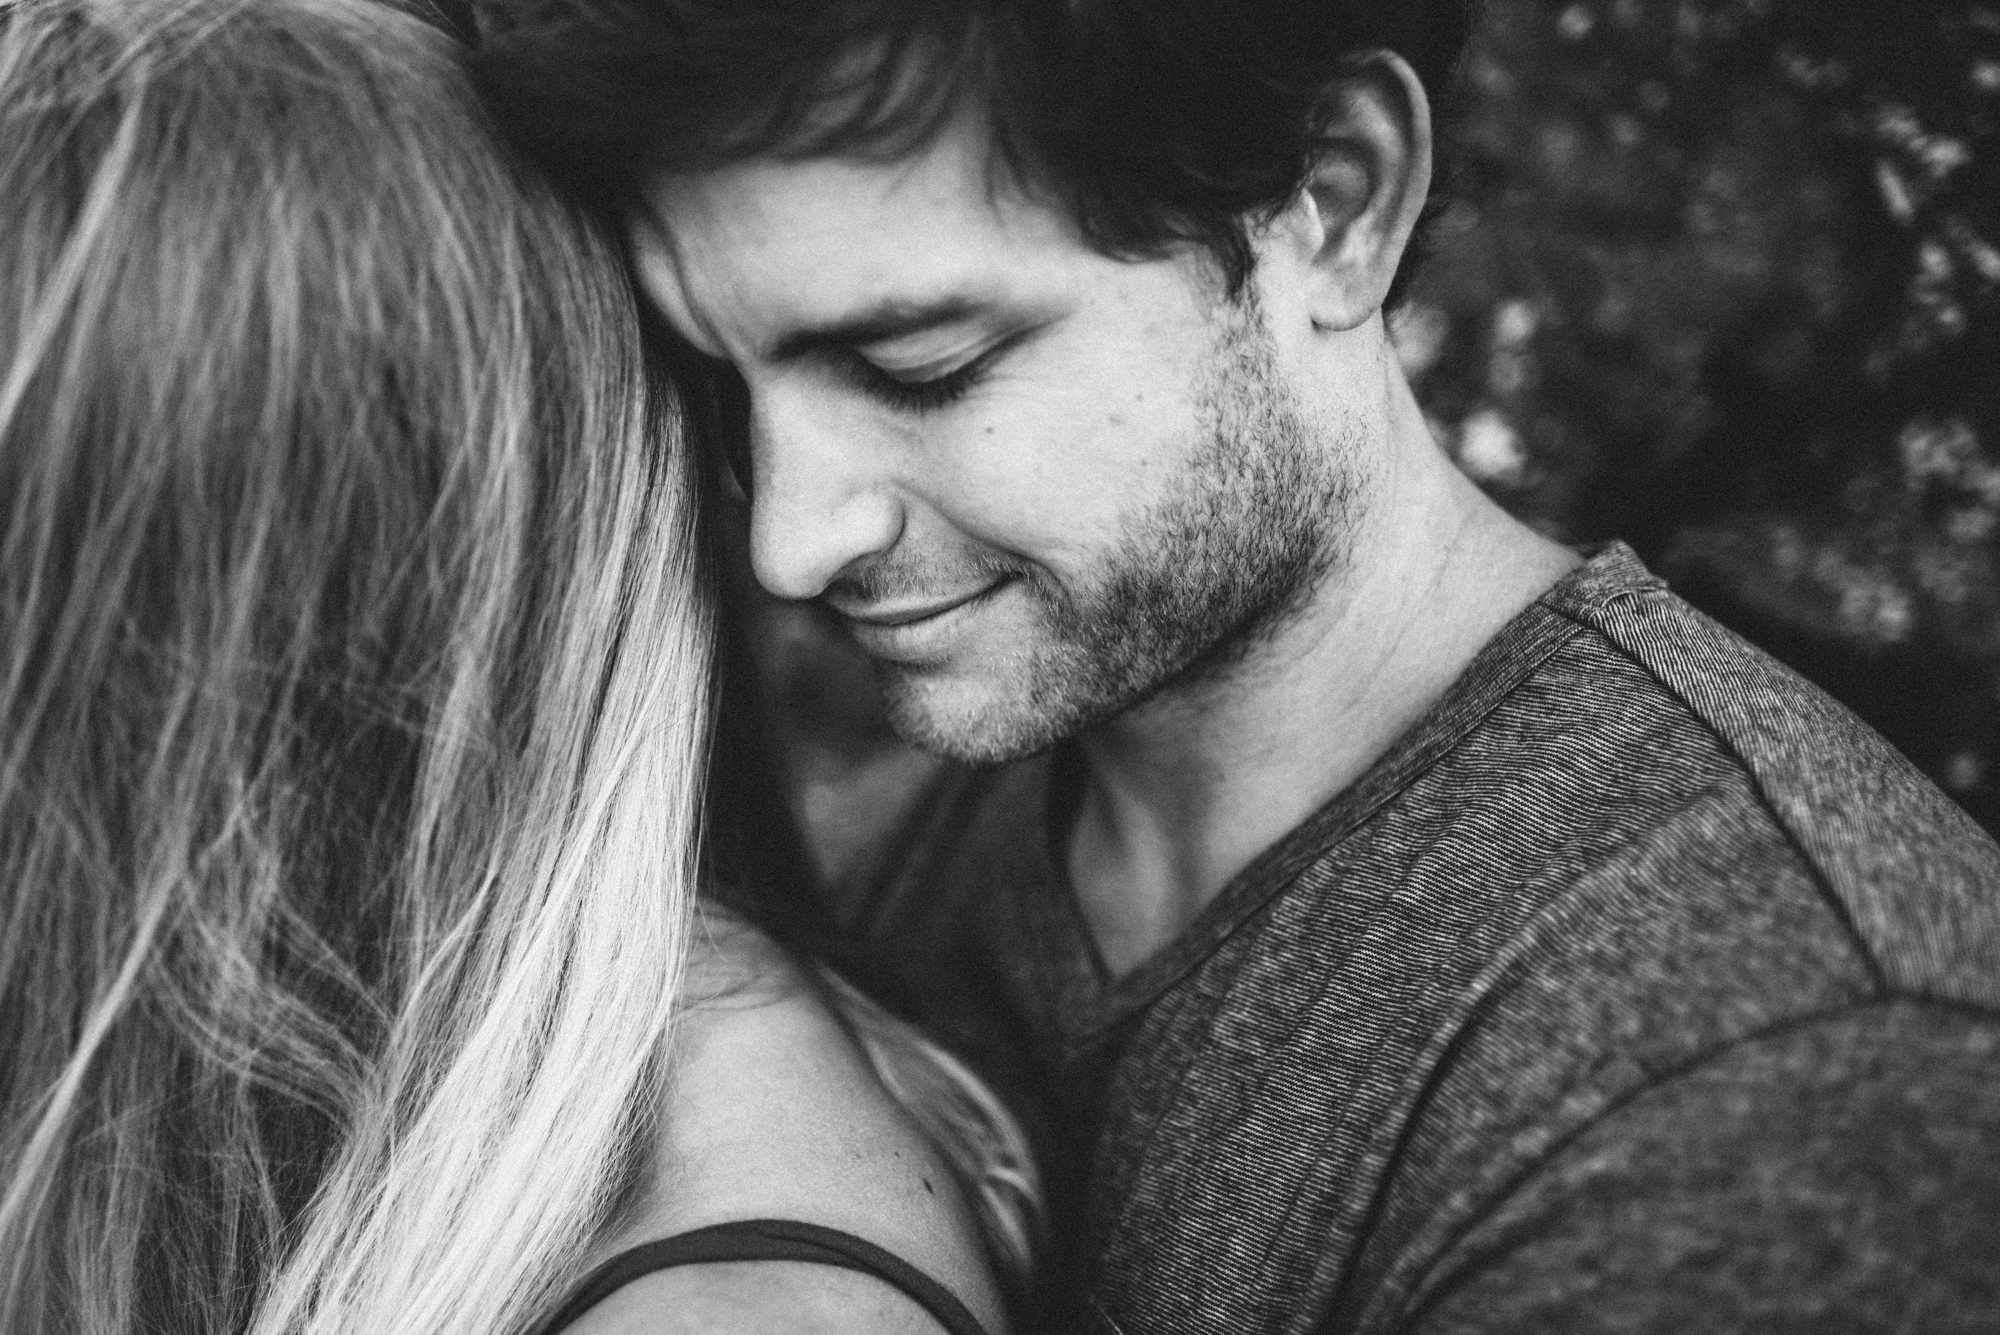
(961, 721)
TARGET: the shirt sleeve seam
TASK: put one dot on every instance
(1822, 883)
(1656, 1080)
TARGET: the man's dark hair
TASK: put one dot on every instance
(1156, 121)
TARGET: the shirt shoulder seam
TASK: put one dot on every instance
(1822, 883)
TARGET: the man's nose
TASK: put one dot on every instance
(822, 497)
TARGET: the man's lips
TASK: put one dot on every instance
(908, 613)
(912, 631)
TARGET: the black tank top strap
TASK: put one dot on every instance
(765, 1240)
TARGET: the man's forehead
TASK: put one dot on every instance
(819, 239)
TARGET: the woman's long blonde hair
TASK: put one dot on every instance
(352, 685)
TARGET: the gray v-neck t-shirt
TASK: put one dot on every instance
(1639, 987)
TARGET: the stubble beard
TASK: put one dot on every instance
(1216, 568)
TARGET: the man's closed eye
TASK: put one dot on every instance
(930, 384)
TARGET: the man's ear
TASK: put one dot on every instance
(1366, 188)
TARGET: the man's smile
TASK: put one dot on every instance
(911, 630)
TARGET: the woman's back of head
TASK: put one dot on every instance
(346, 620)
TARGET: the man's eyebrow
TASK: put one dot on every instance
(891, 319)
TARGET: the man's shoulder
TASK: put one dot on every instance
(1704, 743)
(1719, 882)
(1632, 864)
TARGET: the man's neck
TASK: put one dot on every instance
(1183, 792)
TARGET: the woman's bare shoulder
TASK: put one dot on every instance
(772, 1112)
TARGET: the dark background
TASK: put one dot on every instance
(1720, 278)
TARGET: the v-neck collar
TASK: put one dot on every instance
(1090, 1005)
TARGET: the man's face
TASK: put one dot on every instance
(1038, 484)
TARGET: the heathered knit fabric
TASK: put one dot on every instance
(1638, 988)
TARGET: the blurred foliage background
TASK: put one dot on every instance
(1722, 278)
